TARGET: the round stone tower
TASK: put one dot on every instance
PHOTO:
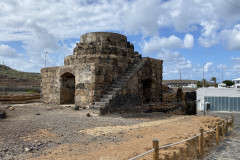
(104, 48)
(101, 38)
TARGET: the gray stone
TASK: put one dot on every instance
(103, 68)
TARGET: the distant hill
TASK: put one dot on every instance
(12, 78)
(178, 82)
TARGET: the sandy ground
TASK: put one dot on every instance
(55, 132)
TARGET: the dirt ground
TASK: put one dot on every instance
(39, 131)
(19, 97)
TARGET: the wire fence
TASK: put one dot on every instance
(224, 126)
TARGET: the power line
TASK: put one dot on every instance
(232, 4)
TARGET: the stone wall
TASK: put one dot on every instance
(144, 87)
(50, 85)
(101, 62)
(84, 81)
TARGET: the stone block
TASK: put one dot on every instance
(85, 98)
(100, 79)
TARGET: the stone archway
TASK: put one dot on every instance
(67, 88)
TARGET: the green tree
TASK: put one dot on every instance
(205, 83)
(199, 84)
(214, 79)
(228, 83)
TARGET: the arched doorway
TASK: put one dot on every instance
(147, 94)
(67, 90)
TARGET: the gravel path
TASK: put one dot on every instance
(34, 128)
(230, 148)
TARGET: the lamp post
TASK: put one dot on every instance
(203, 74)
(46, 59)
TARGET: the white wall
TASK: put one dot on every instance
(214, 92)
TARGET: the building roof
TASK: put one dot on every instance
(237, 79)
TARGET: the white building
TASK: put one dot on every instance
(222, 85)
(236, 83)
(190, 86)
(220, 99)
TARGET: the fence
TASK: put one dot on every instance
(155, 142)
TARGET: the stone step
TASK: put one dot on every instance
(128, 74)
(117, 85)
(111, 92)
(101, 104)
(104, 99)
(94, 107)
(116, 89)
(108, 96)
(124, 78)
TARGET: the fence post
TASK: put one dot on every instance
(201, 143)
(226, 125)
(217, 133)
(156, 150)
(223, 127)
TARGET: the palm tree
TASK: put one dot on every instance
(214, 79)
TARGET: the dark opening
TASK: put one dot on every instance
(67, 91)
(147, 94)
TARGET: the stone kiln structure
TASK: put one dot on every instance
(104, 73)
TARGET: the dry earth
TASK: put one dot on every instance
(19, 97)
(38, 131)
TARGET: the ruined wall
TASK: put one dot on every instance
(104, 65)
(105, 49)
(135, 92)
(52, 83)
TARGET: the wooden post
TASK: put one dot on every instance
(217, 133)
(226, 125)
(223, 127)
(156, 150)
(201, 143)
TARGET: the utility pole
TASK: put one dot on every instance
(46, 59)
(203, 76)
(222, 76)
(3, 79)
(180, 77)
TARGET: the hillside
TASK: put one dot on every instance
(12, 78)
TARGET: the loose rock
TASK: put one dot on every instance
(2, 115)
(76, 108)
(27, 149)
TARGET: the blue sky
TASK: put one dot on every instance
(185, 34)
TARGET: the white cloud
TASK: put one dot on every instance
(45, 25)
(235, 59)
(142, 17)
(174, 62)
(168, 56)
(207, 66)
(7, 51)
(231, 38)
(188, 41)
(209, 33)
(156, 44)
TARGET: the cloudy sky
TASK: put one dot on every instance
(187, 35)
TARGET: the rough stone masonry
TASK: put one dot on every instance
(104, 73)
